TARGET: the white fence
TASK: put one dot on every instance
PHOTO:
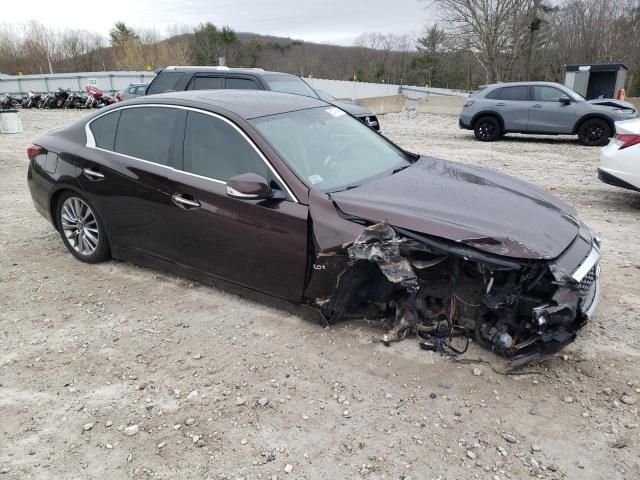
(107, 81)
(113, 81)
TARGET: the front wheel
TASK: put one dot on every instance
(487, 129)
(594, 132)
(81, 229)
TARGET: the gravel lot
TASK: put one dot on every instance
(115, 371)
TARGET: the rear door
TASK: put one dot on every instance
(513, 104)
(129, 153)
(548, 114)
(259, 244)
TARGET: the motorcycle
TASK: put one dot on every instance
(32, 99)
(75, 100)
(9, 102)
(47, 101)
(97, 98)
(60, 97)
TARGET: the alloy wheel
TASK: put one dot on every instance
(487, 130)
(80, 226)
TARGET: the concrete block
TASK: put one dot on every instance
(386, 104)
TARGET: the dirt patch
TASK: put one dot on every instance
(222, 387)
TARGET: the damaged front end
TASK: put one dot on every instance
(431, 286)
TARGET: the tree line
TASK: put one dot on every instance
(471, 43)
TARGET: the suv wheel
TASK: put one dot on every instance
(594, 132)
(487, 129)
(81, 229)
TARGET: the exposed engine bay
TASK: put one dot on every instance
(439, 290)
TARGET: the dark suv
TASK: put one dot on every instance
(172, 79)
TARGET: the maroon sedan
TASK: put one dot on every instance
(292, 200)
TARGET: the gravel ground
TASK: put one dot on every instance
(115, 371)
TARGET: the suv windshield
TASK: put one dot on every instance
(330, 150)
(289, 84)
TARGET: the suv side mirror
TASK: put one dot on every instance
(249, 186)
(564, 100)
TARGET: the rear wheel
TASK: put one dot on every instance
(487, 129)
(594, 132)
(81, 228)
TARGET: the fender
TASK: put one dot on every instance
(588, 116)
(488, 112)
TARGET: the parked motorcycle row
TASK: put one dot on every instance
(61, 98)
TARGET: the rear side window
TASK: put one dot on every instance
(140, 90)
(214, 149)
(164, 82)
(207, 83)
(104, 130)
(242, 84)
(146, 133)
(512, 93)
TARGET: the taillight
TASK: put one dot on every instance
(626, 140)
(34, 150)
(468, 103)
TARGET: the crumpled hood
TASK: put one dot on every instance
(613, 103)
(352, 108)
(480, 208)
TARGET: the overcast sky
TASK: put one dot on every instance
(326, 21)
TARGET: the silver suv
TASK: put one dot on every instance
(541, 108)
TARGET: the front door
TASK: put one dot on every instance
(258, 244)
(548, 113)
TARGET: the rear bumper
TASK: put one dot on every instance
(464, 125)
(611, 179)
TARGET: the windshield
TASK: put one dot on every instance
(328, 149)
(289, 84)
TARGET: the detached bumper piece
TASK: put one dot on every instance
(439, 290)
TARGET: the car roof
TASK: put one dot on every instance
(210, 69)
(246, 104)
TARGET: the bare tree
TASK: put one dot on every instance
(487, 28)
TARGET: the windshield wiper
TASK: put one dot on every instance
(348, 187)
(398, 169)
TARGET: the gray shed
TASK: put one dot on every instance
(601, 80)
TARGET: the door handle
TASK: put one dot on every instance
(537, 105)
(183, 202)
(500, 104)
(92, 174)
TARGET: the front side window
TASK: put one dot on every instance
(146, 132)
(547, 94)
(290, 84)
(104, 130)
(242, 84)
(215, 149)
(207, 83)
(328, 149)
(164, 82)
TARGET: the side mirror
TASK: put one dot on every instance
(249, 186)
(564, 100)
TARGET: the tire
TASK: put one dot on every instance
(487, 129)
(81, 228)
(594, 132)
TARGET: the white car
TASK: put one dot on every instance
(620, 160)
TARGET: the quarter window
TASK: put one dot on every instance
(547, 94)
(104, 130)
(146, 132)
(242, 84)
(214, 149)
